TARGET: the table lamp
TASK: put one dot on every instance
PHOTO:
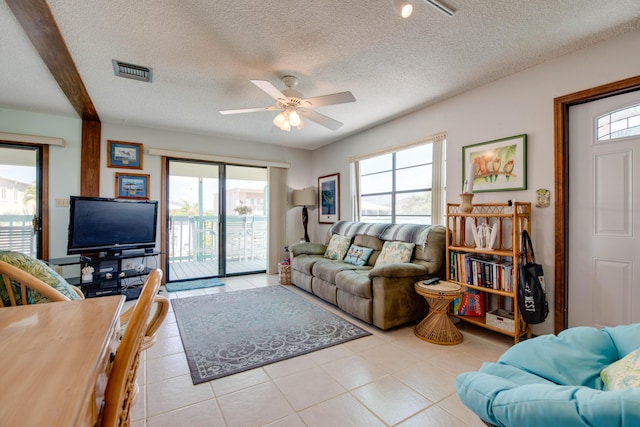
(305, 197)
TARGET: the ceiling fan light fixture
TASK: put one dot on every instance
(287, 119)
(294, 118)
(292, 105)
(403, 8)
(279, 120)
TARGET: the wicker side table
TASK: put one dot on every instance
(437, 327)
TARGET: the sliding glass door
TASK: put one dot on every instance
(245, 219)
(217, 220)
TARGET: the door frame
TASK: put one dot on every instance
(42, 175)
(561, 107)
(222, 165)
(165, 217)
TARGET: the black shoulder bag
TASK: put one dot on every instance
(532, 299)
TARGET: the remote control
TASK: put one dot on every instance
(431, 281)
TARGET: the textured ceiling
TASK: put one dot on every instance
(203, 54)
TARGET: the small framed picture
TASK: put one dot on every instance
(132, 186)
(329, 203)
(124, 155)
(499, 165)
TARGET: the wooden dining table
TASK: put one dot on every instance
(55, 360)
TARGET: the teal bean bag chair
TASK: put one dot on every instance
(581, 377)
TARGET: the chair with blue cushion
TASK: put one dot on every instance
(17, 287)
(558, 380)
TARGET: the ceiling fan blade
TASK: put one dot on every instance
(321, 119)
(248, 110)
(270, 89)
(334, 98)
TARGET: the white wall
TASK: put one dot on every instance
(64, 176)
(64, 164)
(521, 103)
(297, 175)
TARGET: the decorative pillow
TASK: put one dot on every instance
(358, 255)
(395, 252)
(338, 246)
(625, 373)
(38, 269)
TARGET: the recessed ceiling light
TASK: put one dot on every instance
(403, 7)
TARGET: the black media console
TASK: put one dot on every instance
(110, 272)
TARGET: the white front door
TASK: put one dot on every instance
(604, 216)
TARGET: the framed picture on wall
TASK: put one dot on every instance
(329, 194)
(499, 165)
(132, 186)
(124, 155)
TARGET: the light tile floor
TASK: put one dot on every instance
(390, 378)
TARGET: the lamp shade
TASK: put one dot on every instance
(304, 197)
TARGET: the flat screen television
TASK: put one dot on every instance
(99, 224)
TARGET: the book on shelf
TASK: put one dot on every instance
(469, 303)
(481, 270)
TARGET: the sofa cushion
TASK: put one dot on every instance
(338, 247)
(355, 282)
(369, 242)
(38, 269)
(326, 269)
(395, 252)
(624, 373)
(304, 263)
(358, 255)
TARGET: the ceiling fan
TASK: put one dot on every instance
(292, 104)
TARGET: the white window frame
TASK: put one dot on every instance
(617, 124)
(438, 185)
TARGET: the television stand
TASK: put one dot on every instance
(111, 272)
(132, 293)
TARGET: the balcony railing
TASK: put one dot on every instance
(190, 239)
(194, 238)
(16, 234)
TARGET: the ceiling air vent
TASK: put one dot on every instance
(130, 71)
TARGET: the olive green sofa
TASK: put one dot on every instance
(382, 295)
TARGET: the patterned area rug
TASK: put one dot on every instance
(231, 332)
(185, 285)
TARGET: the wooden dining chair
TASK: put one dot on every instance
(154, 322)
(13, 278)
(121, 386)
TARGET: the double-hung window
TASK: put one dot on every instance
(402, 185)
